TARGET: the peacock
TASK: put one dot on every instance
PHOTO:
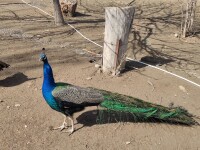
(69, 99)
(3, 65)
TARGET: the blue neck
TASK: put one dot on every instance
(48, 81)
(48, 86)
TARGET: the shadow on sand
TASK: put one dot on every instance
(94, 117)
(15, 80)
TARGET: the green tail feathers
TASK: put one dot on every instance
(144, 110)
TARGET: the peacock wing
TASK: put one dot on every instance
(77, 95)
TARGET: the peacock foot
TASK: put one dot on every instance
(62, 127)
(70, 131)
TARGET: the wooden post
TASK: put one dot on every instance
(117, 28)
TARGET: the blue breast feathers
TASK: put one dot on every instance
(50, 100)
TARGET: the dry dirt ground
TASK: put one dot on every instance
(26, 119)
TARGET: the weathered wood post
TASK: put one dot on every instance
(118, 22)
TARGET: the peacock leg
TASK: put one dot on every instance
(72, 124)
(63, 126)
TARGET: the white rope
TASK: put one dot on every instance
(37, 8)
(102, 46)
(166, 72)
(83, 35)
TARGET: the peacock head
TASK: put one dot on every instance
(43, 56)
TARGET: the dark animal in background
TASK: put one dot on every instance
(3, 65)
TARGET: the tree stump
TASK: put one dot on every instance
(118, 22)
(68, 7)
(57, 13)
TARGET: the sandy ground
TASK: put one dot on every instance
(26, 119)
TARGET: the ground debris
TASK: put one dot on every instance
(97, 66)
(89, 78)
(128, 142)
(182, 88)
(17, 105)
(150, 83)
